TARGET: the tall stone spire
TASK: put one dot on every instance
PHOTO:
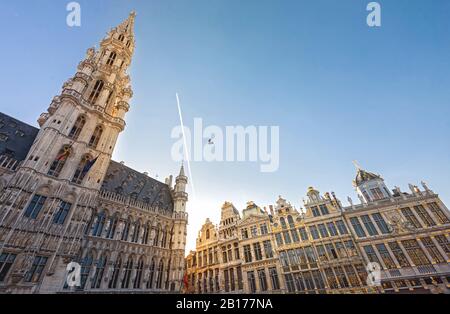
(86, 119)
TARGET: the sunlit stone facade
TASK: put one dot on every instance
(326, 247)
(64, 200)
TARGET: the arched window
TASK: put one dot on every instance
(108, 100)
(207, 234)
(60, 161)
(77, 127)
(168, 238)
(99, 224)
(137, 229)
(98, 87)
(121, 37)
(101, 263)
(139, 270)
(283, 223)
(146, 234)
(112, 227)
(82, 170)
(126, 230)
(115, 275)
(127, 274)
(291, 221)
(151, 275)
(95, 138)
(61, 213)
(157, 236)
(112, 58)
(86, 268)
(35, 206)
(159, 279)
(163, 238)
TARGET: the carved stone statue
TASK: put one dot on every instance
(350, 201)
(425, 186)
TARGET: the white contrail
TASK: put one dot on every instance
(186, 150)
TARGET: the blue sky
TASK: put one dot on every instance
(339, 90)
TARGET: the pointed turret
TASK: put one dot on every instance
(180, 195)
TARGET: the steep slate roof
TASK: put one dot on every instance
(123, 180)
(119, 178)
(16, 137)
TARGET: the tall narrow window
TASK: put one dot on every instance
(115, 275)
(81, 171)
(100, 269)
(77, 127)
(151, 275)
(262, 279)
(369, 225)
(127, 273)
(112, 58)
(384, 228)
(247, 254)
(59, 162)
(399, 255)
(95, 138)
(289, 283)
(291, 221)
(443, 242)
(323, 231)
(377, 194)
(425, 216)
(409, 215)
(332, 229)
(371, 255)
(268, 251)
(274, 278)
(433, 250)
(283, 223)
(439, 213)
(137, 229)
(6, 262)
(257, 249)
(36, 270)
(341, 227)
(357, 227)
(251, 281)
(146, 234)
(99, 224)
(384, 253)
(98, 87)
(303, 234)
(159, 280)
(324, 209)
(112, 227)
(35, 207)
(60, 216)
(86, 268)
(315, 211)
(414, 251)
(314, 232)
(138, 278)
(126, 230)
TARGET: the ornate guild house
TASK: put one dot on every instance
(327, 248)
(63, 200)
